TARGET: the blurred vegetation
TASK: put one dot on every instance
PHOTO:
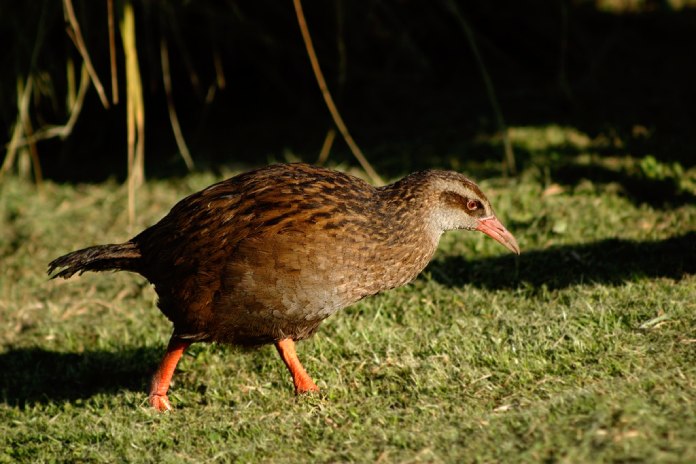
(235, 75)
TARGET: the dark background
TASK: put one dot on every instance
(407, 83)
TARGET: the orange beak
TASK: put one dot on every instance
(492, 227)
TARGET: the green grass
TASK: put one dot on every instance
(583, 349)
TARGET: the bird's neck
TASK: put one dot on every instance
(409, 206)
(408, 231)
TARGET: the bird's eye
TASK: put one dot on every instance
(472, 205)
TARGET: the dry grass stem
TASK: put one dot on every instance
(219, 70)
(112, 52)
(326, 146)
(135, 110)
(338, 120)
(23, 126)
(23, 94)
(29, 132)
(48, 132)
(173, 118)
(76, 35)
(71, 94)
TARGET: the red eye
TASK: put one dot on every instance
(472, 205)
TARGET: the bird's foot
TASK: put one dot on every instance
(160, 402)
(163, 376)
(303, 382)
(305, 386)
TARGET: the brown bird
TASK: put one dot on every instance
(266, 256)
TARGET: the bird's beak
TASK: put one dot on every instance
(492, 227)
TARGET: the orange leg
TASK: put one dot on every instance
(160, 381)
(303, 382)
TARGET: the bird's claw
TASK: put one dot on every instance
(160, 403)
(302, 388)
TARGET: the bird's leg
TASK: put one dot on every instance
(303, 382)
(160, 380)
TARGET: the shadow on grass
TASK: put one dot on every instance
(31, 375)
(610, 261)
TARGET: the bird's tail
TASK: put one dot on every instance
(121, 257)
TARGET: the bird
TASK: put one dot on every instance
(265, 256)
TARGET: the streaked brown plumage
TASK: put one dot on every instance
(266, 256)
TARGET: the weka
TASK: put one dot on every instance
(266, 256)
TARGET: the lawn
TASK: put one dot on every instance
(582, 349)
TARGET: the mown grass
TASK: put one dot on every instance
(580, 350)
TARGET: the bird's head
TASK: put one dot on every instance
(460, 204)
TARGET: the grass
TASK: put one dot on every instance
(580, 350)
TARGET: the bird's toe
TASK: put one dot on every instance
(160, 403)
(306, 387)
